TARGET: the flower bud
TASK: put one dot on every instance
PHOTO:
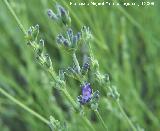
(113, 93)
(70, 33)
(32, 33)
(85, 68)
(52, 15)
(79, 35)
(64, 15)
(48, 62)
(66, 42)
(94, 106)
(86, 33)
(74, 41)
(60, 39)
(61, 75)
(40, 47)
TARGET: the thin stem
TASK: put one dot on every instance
(88, 123)
(70, 99)
(90, 49)
(15, 17)
(53, 74)
(24, 106)
(76, 62)
(100, 118)
(126, 117)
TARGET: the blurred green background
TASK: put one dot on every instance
(126, 45)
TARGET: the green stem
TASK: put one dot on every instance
(15, 17)
(88, 123)
(53, 74)
(100, 118)
(70, 99)
(24, 106)
(126, 117)
(76, 62)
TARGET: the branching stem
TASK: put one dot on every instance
(100, 118)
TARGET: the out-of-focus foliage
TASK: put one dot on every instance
(126, 44)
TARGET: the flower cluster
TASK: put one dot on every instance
(38, 46)
(73, 72)
(70, 40)
(86, 34)
(32, 33)
(113, 93)
(62, 16)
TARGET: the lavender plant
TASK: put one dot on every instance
(71, 42)
(80, 74)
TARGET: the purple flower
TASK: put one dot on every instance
(86, 93)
